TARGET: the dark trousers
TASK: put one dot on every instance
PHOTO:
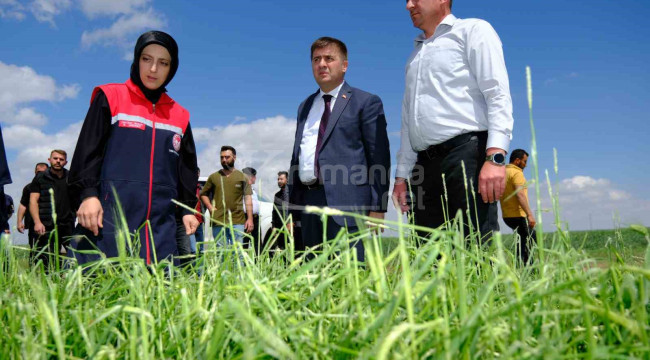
(45, 246)
(283, 240)
(183, 243)
(255, 234)
(32, 237)
(198, 235)
(312, 225)
(433, 203)
(527, 236)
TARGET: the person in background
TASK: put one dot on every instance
(9, 211)
(251, 175)
(136, 147)
(23, 214)
(197, 237)
(230, 189)
(5, 179)
(40, 208)
(514, 204)
(281, 212)
(183, 241)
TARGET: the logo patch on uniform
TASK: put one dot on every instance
(131, 124)
(176, 141)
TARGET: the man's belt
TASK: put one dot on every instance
(443, 149)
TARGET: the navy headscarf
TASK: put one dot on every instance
(162, 39)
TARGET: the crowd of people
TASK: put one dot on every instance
(136, 153)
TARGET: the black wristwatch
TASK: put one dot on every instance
(496, 159)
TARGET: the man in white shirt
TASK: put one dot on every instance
(251, 175)
(456, 110)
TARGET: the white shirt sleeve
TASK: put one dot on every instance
(486, 61)
(406, 157)
(256, 203)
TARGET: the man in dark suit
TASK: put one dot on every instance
(341, 155)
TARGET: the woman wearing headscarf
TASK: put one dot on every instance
(136, 149)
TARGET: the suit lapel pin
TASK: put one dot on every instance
(344, 96)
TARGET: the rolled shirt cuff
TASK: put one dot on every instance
(403, 170)
(499, 140)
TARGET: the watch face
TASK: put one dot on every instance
(499, 158)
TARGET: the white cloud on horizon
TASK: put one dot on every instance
(21, 85)
(588, 203)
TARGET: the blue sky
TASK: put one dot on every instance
(244, 68)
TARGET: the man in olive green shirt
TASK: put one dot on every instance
(230, 189)
(514, 203)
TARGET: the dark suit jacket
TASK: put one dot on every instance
(354, 160)
(280, 207)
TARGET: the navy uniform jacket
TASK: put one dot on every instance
(143, 156)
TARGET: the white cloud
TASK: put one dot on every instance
(46, 10)
(21, 85)
(588, 203)
(68, 92)
(264, 144)
(550, 81)
(129, 18)
(94, 8)
(567, 76)
(12, 9)
(123, 29)
(29, 116)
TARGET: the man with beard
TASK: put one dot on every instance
(229, 188)
(281, 202)
(40, 207)
(514, 204)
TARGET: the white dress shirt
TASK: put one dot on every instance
(456, 82)
(256, 202)
(310, 135)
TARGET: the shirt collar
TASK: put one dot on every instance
(515, 167)
(449, 20)
(334, 92)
